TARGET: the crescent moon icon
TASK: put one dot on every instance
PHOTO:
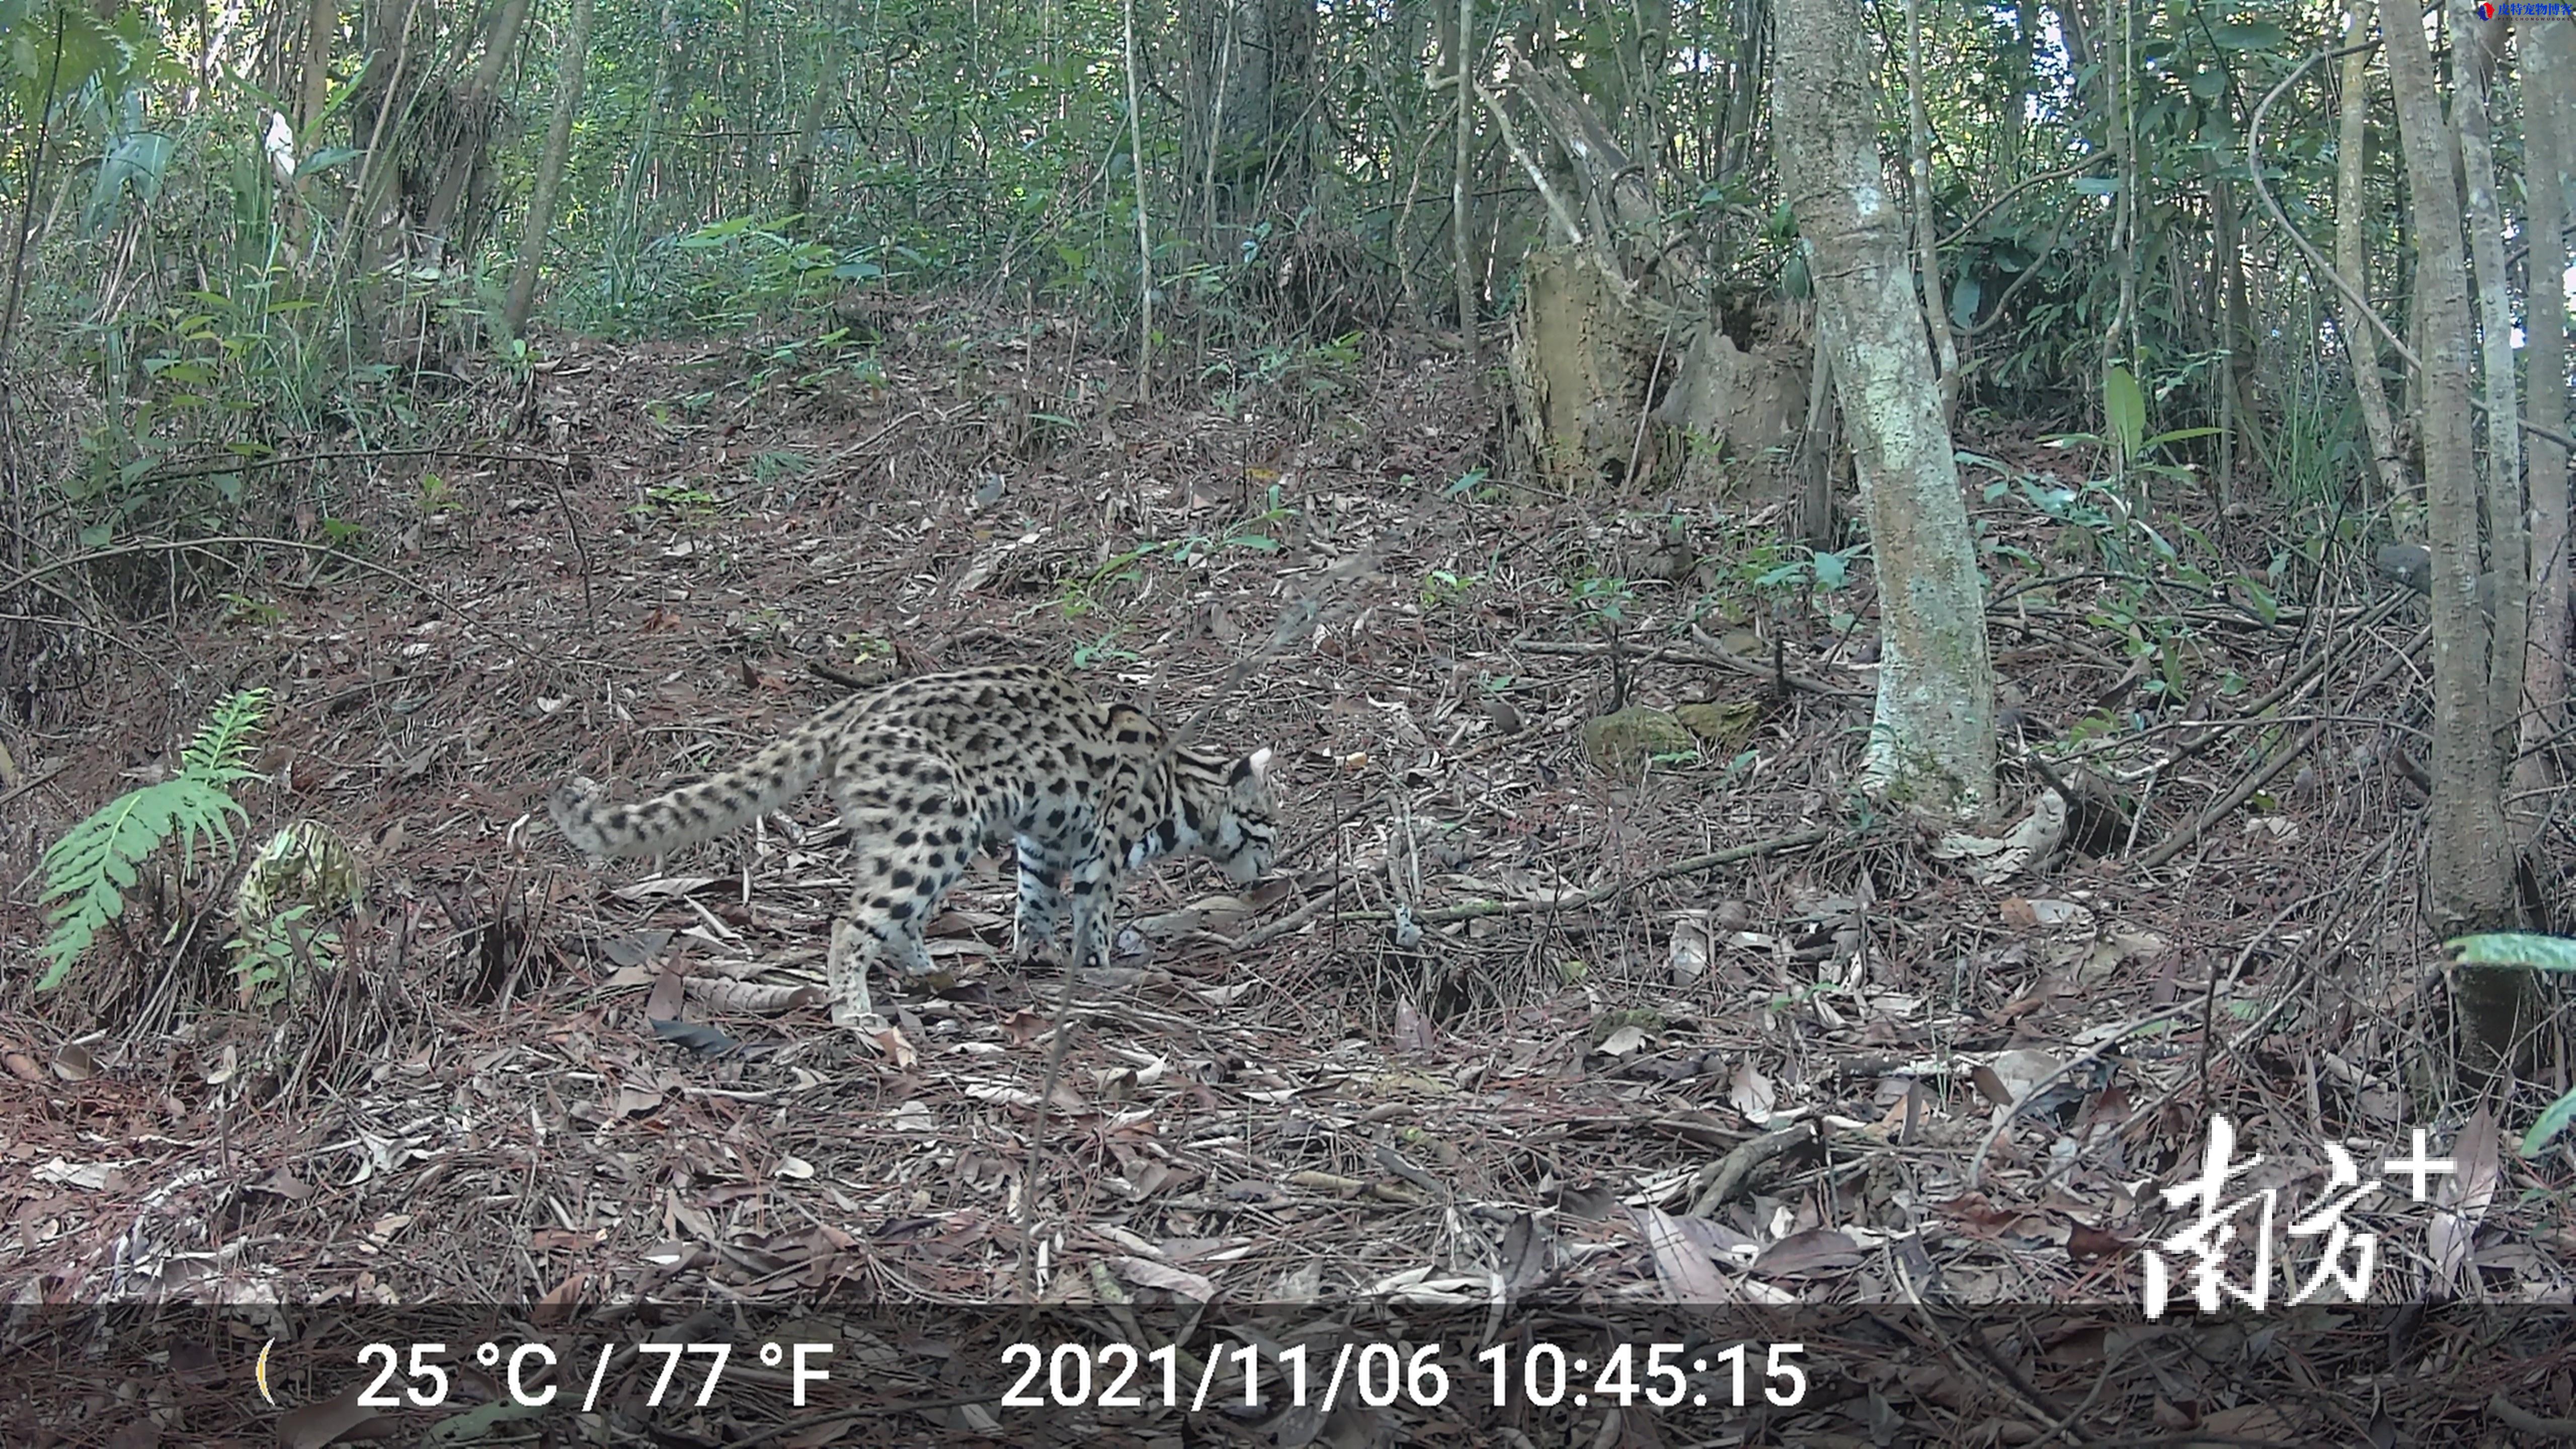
(261, 1372)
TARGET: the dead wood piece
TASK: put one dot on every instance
(1719, 1181)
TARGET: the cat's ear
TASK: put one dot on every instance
(1253, 770)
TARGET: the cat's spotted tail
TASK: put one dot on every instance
(714, 806)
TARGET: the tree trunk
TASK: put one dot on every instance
(1932, 740)
(2469, 878)
(1144, 222)
(1463, 50)
(382, 123)
(1247, 149)
(476, 114)
(831, 49)
(2360, 339)
(2016, 96)
(2548, 59)
(2226, 262)
(1814, 499)
(321, 24)
(2473, 61)
(550, 166)
(1918, 166)
(1621, 374)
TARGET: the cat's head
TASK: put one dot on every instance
(1234, 812)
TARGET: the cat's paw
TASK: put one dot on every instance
(1028, 951)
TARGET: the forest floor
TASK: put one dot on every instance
(1498, 1025)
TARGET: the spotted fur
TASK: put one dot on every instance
(928, 770)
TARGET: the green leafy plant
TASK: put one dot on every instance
(1244, 535)
(727, 274)
(293, 893)
(268, 958)
(1601, 600)
(1441, 587)
(1796, 581)
(1103, 650)
(1821, 569)
(89, 870)
(243, 609)
(685, 500)
(1080, 594)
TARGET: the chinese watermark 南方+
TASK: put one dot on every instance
(2344, 1257)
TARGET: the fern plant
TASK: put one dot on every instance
(291, 892)
(89, 870)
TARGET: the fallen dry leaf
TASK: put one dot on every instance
(1692, 947)
(1684, 1270)
(898, 1051)
(1146, 1273)
(1752, 1094)
(1818, 1250)
(664, 1003)
(2451, 1235)
(557, 1304)
(1413, 1034)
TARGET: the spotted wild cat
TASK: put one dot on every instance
(928, 770)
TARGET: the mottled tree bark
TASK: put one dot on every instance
(1932, 741)
(2360, 339)
(2548, 63)
(2469, 877)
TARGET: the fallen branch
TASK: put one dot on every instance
(1714, 658)
(2523, 1421)
(1474, 910)
(2174, 844)
(1717, 1181)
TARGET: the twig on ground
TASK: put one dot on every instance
(2174, 844)
(1472, 910)
(580, 551)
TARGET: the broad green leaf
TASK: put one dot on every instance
(1964, 299)
(326, 158)
(2553, 1120)
(2124, 410)
(2517, 948)
(2180, 435)
(2266, 607)
(2247, 35)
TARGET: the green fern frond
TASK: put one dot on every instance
(88, 872)
(220, 754)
